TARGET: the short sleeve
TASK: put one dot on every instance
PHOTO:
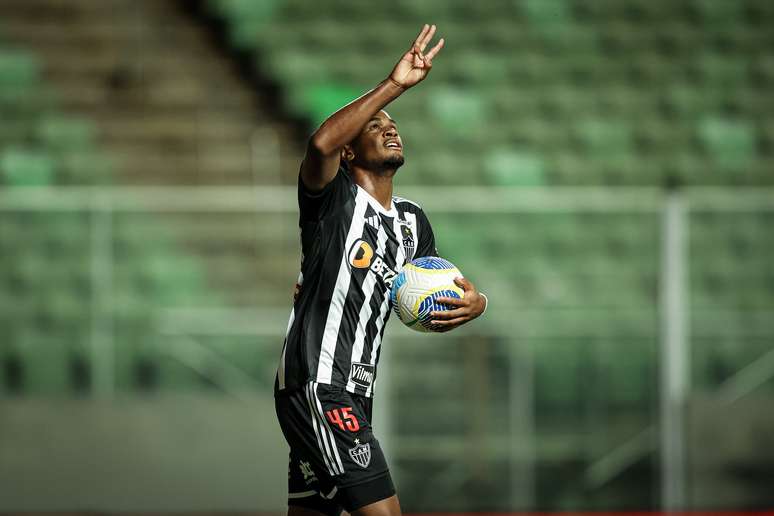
(426, 245)
(318, 205)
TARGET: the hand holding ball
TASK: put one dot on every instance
(417, 287)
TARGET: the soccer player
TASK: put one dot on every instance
(355, 237)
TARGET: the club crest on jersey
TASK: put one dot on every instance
(361, 374)
(409, 244)
(361, 454)
(362, 256)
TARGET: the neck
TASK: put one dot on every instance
(377, 184)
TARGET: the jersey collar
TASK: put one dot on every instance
(377, 206)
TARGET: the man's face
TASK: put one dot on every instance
(378, 147)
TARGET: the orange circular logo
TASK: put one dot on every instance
(361, 254)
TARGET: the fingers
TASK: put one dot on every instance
(433, 51)
(420, 38)
(437, 325)
(449, 314)
(419, 59)
(464, 284)
(426, 39)
(453, 301)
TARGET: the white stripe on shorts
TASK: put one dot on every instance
(327, 428)
(322, 443)
(325, 439)
(302, 495)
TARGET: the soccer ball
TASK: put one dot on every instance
(415, 289)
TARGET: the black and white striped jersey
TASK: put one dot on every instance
(352, 250)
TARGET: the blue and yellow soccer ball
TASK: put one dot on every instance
(416, 288)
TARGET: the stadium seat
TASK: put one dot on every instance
(44, 363)
(22, 167)
(730, 143)
(512, 168)
(19, 71)
(66, 134)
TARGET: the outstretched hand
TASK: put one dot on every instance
(466, 309)
(414, 66)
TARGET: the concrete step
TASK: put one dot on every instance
(154, 89)
(178, 127)
(142, 165)
(167, 61)
(83, 93)
(85, 33)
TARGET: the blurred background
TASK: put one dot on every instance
(602, 169)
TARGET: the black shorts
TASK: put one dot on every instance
(335, 461)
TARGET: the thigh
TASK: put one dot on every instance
(305, 492)
(344, 422)
(386, 507)
(310, 484)
(366, 478)
(333, 449)
(372, 498)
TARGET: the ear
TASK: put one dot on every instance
(347, 154)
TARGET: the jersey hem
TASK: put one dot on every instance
(290, 390)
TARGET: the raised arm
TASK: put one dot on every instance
(323, 151)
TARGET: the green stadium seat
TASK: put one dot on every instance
(547, 13)
(604, 138)
(324, 99)
(19, 71)
(248, 19)
(89, 167)
(14, 132)
(45, 363)
(631, 371)
(245, 9)
(558, 373)
(23, 167)
(716, 14)
(460, 112)
(66, 134)
(730, 143)
(509, 167)
(476, 69)
(718, 71)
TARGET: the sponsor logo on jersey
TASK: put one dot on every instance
(361, 374)
(361, 454)
(362, 256)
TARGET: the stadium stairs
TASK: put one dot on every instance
(129, 93)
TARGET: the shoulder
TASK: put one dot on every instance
(407, 207)
(342, 179)
(406, 204)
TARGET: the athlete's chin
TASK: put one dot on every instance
(393, 162)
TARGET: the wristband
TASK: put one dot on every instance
(486, 303)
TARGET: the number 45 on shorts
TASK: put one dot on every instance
(343, 418)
